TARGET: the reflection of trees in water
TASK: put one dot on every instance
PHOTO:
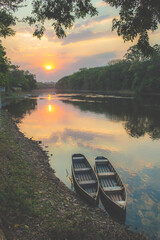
(19, 108)
(141, 116)
(140, 126)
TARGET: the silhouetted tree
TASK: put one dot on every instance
(3, 65)
(137, 18)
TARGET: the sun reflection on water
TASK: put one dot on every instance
(49, 97)
(51, 108)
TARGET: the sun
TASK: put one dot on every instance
(49, 67)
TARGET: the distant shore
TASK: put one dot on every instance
(36, 205)
(116, 93)
(123, 92)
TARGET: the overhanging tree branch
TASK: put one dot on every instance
(137, 18)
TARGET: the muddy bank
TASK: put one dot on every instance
(36, 205)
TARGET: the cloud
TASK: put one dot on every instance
(83, 36)
(92, 21)
(94, 24)
(82, 31)
(50, 35)
(84, 135)
(24, 29)
(101, 4)
(82, 139)
(96, 60)
(77, 135)
(97, 147)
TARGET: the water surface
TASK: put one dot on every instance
(125, 130)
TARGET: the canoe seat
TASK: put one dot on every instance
(82, 169)
(101, 160)
(87, 182)
(106, 174)
(121, 202)
(78, 157)
(110, 189)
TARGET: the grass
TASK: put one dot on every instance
(17, 190)
(23, 195)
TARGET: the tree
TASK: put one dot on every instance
(135, 54)
(137, 18)
(7, 7)
(62, 13)
(3, 65)
(10, 75)
(20, 78)
(3, 60)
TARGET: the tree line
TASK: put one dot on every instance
(135, 73)
(11, 77)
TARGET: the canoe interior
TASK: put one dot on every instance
(116, 195)
(110, 181)
(103, 167)
(84, 174)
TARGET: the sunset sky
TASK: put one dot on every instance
(90, 43)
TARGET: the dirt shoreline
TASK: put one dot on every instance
(36, 205)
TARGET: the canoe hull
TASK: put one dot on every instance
(107, 175)
(77, 173)
(84, 195)
(113, 210)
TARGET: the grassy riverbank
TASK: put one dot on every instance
(36, 205)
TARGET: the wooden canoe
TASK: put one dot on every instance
(85, 179)
(112, 190)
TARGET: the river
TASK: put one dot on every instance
(126, 130)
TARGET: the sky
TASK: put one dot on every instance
(90, 43)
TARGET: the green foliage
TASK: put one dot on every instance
(136, 73)
(62, 14)
(11, 76)
(3, 66)
(20, 78)
(136, 19)
(7, 7)
(3, 60)
(6, 20)
(134, 54)
(16, 190)
(10, 4)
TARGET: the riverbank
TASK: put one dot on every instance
(124, 93)
(35, 204)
